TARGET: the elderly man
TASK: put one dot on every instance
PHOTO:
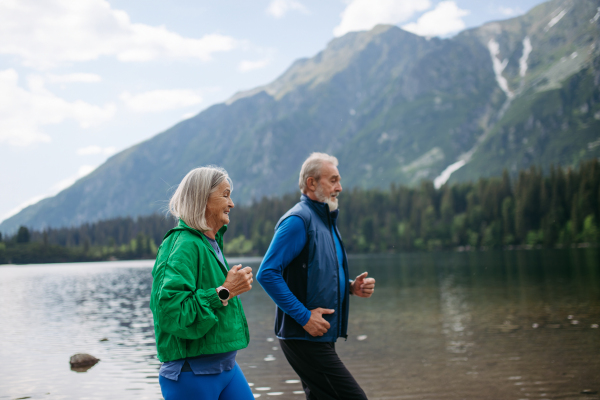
(305, 271)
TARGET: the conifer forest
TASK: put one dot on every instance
(558, 208)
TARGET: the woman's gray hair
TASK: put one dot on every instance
(191, 197)
(312, 167)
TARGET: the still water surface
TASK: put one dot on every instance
(483, 325)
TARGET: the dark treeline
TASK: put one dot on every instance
(118, 238)
(558, 209)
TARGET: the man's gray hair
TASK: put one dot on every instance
(191, 197)
(312, 167)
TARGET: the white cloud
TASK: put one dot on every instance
(47, 33)
(24, 111)
(72, 78)
(91, 150)
(509, 12)
(247, 65)
(362, 15)
(161, 100)
(55, 189)
(444, 19)
(278, 8)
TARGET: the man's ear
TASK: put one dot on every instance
(311, 183)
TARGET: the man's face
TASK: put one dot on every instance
(329, 186)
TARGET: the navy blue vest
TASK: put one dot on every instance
(313, 275)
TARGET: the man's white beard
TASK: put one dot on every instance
(332, 202)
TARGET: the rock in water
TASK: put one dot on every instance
(81, 362)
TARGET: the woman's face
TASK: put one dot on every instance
(218, 206)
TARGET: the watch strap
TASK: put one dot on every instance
(219, 290)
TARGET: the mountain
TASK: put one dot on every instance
(392, 106)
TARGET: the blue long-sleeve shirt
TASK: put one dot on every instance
(287, 244)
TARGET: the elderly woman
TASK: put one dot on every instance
(199, 322)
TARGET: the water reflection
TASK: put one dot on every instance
(52, 312)
(445, 325)
(455, 316)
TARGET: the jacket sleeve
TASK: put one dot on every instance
(184, 311)
(287, 244)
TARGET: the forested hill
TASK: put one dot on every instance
(559, 209)
(392, 106)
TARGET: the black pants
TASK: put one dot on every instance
(323, 374)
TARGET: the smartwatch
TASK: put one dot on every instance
(223, 294)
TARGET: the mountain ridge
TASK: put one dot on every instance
(391, 105)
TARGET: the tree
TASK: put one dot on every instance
(447, 210)
(550, 230)
(576, 219)
(23, 235)
(508, 220)
(427, 223)
(492, 235)
(459, 229)
(590, 229)
(140, 245)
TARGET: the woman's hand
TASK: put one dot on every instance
(239, 280)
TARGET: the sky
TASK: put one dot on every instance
(82, 80)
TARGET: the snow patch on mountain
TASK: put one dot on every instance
(445, 175)
(555, 20)
(595, 16)
(523, 60)
(499, 66)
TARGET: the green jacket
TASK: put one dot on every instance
(189, 318)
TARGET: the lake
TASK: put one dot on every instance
(474, 325)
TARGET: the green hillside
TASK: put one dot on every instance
(392, 106)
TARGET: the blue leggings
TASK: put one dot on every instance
(228, 385)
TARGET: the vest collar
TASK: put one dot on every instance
(321, 209)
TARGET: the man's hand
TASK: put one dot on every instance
(362, 286)
(239, 280)
(317, 325)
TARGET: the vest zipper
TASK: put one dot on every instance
(340, 305)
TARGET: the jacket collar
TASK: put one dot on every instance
(321, 209)
(182, 226)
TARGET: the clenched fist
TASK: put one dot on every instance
(239, 280)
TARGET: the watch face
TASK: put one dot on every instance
(223, 294)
